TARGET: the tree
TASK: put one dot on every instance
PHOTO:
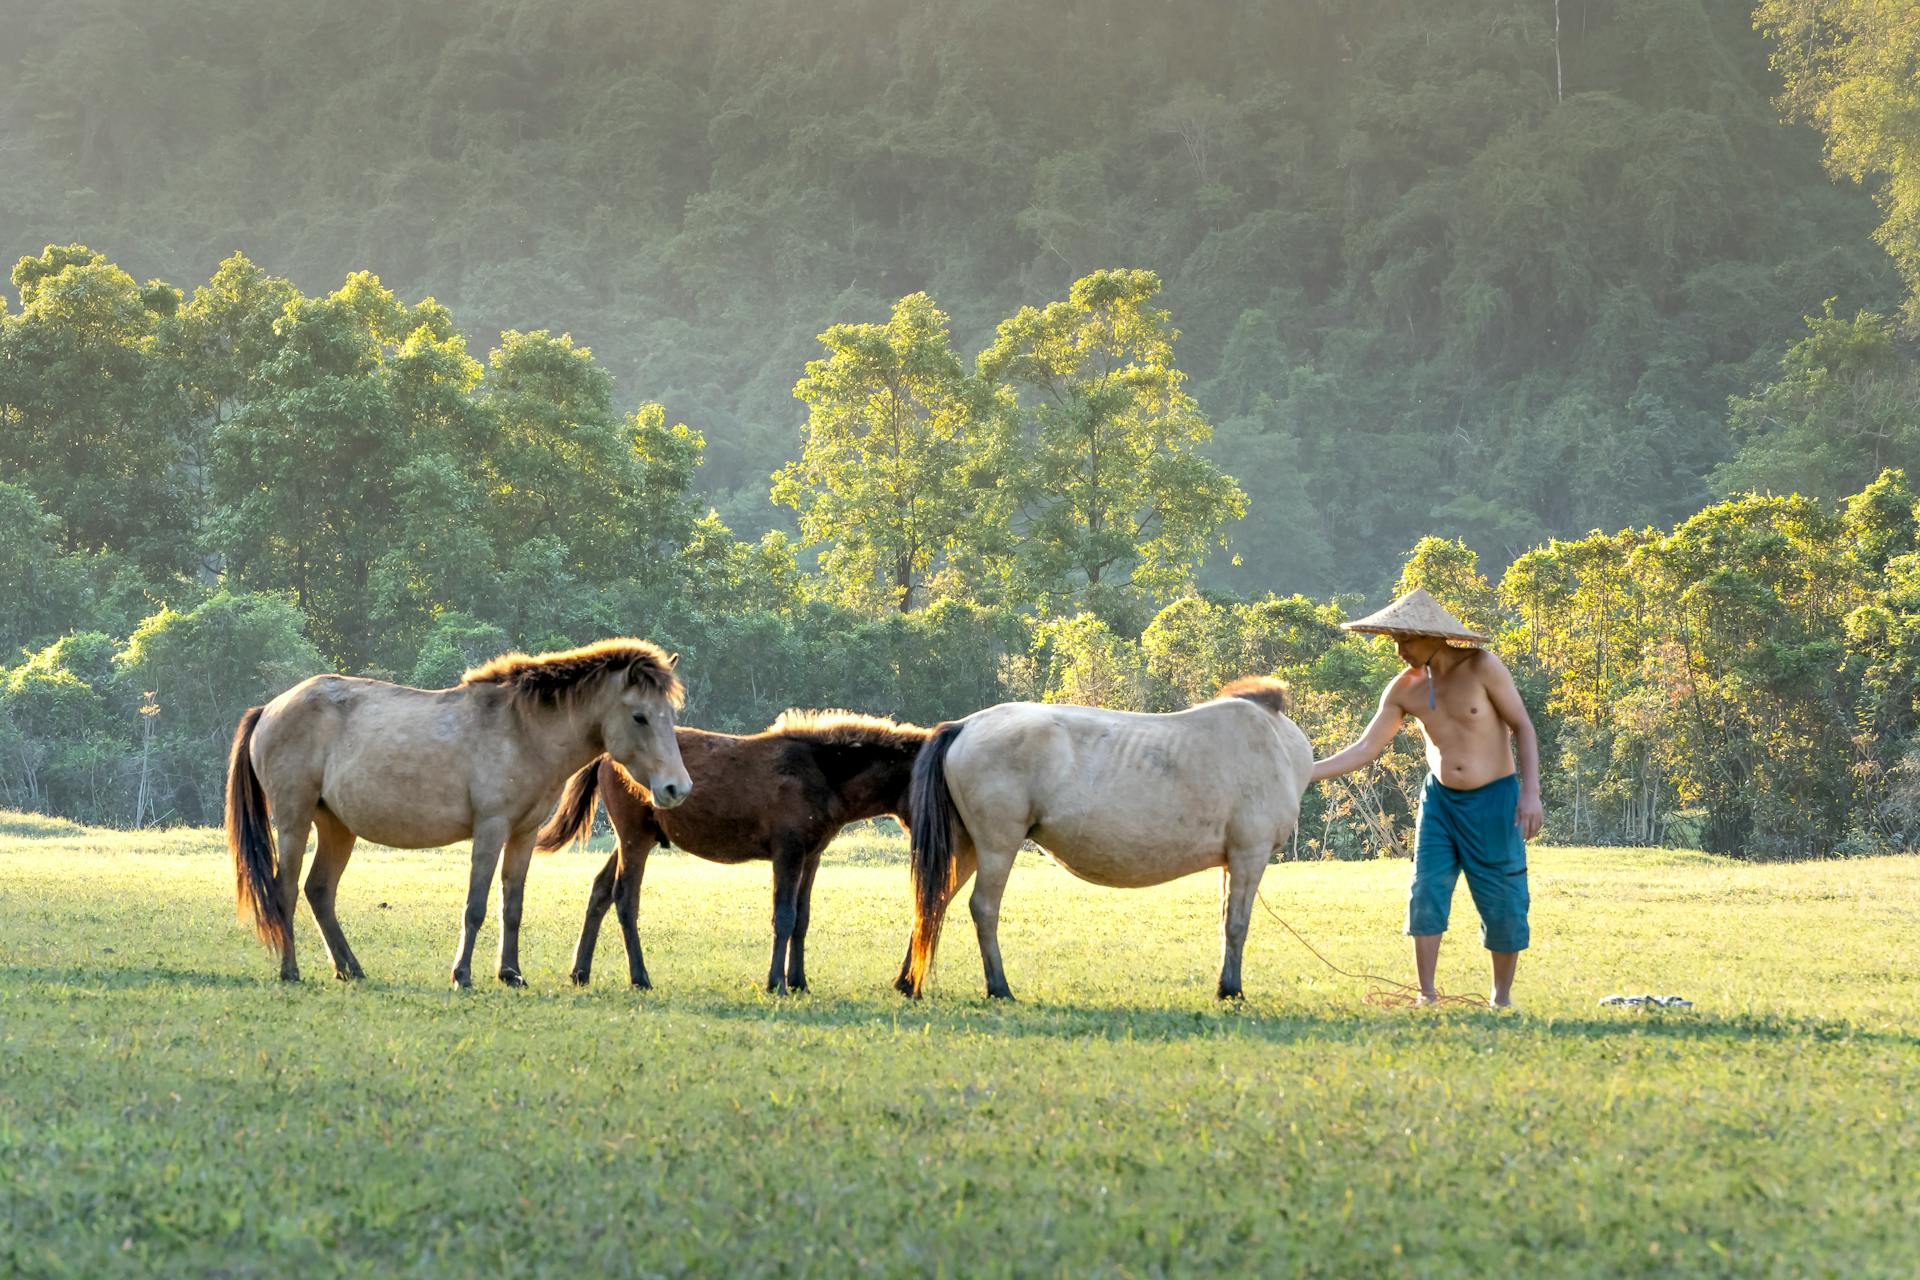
(1748, 598)
(1113, 490)
(45, 592)
(1079, 660)
(609, 493)
(204, 668)
(1845, 406)
(1586, 626)
(310, 474)
(1450, 571)
(895, 467)
(1849, 68)
(91, 414)
(1881, 524)
(455, 644)
(63, 734)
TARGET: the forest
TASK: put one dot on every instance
(916, 358)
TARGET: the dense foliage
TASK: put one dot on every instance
(291, 484)
(1421, 285)
(1489, 269)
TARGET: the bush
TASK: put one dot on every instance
(204, 668)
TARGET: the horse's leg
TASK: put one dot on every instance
(963, 863)
(488, 839)
(597, 903)
(331, 851)
(513, 888)
(291, 825)
(988, 887)
(1240, 881)
(789, 865)
(803, 908)
(626, 905)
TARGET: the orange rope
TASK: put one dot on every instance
(1402, 994)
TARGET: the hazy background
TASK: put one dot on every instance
(1421, 288)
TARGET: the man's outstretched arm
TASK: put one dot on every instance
(1507, 705)
(1380, 731)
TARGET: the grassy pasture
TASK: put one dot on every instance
(167, 1107)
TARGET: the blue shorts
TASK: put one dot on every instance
(1476, 832)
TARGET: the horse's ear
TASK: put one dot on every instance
(673, 661)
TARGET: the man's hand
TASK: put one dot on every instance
(1529, 814)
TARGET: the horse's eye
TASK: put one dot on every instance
(640, 718)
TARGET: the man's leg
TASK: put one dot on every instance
(1504, 963)
(1436, 869)
(1495, 860)
(1426, 957)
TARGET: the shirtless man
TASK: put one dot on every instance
(1475, 814)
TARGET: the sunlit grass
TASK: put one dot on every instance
(166, 1107)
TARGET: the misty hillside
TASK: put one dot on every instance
(1435, 270)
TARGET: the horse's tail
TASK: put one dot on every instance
(572, 818)
(931, 805)
(250, 837)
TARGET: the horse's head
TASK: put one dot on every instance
(637, 723)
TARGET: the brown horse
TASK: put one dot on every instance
(782, 794)
(417, 768)
(1116, 797)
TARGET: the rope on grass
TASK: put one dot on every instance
(1386, 993)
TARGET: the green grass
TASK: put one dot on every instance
(167, 1107)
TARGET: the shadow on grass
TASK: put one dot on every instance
(138, 977)
(1123, 1022)
(33, 826)
(1257, 1021)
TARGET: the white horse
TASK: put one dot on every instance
(1118, 798)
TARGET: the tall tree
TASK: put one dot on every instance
(1845, 406)
(314, 474)
(894, 461)
(1113, 489)
(92, 417)
(1852, 67)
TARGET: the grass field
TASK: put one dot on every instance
(167, 1107)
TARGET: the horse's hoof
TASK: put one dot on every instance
(1224, 994)
(348, 975)
(1002, 994)
(797, 986)
(641, 983)
(512, 979)
(579, 977)
(289, 977)
(462, 981)
(903, 986)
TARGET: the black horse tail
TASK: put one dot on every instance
(931, 805)
(250, 837)
(572, 818)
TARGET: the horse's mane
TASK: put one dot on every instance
(551, 678)
(833, 728)
(1275, 695)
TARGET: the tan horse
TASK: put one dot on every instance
(417, 768)
(1116, 797)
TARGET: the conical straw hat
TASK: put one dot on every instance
(1416, 614)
